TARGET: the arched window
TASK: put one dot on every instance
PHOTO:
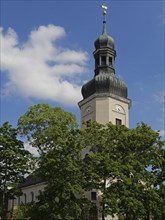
(118, 121)
(38, 195)
(93, 214)
(12, 203)
(97, 62)
(32, 197)
(39, 192)
(103, 60)
(93, 196)
(110, 61)
(25, 198)
(19, 200)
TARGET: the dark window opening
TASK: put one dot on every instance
(103, 60)
(88, 122)
(110, 61)
(97, 62)
(32, 196)
(93, 214)
(93, 195)
(25, 199)
(37, 197)
(87, 157)
(118, 121)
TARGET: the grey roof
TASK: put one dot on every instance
(32, 179)
(104, 80)
(105, 83)
(104, 41)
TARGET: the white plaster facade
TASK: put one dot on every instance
(29, 194)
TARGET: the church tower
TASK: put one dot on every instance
(105, 97)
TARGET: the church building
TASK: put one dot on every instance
(105, 99)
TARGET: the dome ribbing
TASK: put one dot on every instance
(105, 83)
(104, 41)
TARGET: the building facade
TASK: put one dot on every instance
(31, 189)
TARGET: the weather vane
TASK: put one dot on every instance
(104, 7)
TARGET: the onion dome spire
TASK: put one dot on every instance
(104, 80)
(104, 39)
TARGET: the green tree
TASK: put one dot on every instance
(160, 187)
(55, 133)
(123, 165)
(13, 165)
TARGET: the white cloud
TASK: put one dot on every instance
(40, 68)
(162, 133)
(159, 97)
(31, 149)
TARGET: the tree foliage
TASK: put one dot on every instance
(124, 165)
(56, 135)
(44, 126)
(13, 165)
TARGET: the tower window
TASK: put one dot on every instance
(93, 214)
(118, 121)
(97, 62)
(93, 195)
(103, 60)
(110, 61)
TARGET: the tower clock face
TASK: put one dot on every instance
(88, 109)
(118, 108)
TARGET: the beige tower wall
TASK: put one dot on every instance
(104, 109)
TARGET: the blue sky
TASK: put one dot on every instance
(46, 54)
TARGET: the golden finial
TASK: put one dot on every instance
(104, 12)
(104, 7)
